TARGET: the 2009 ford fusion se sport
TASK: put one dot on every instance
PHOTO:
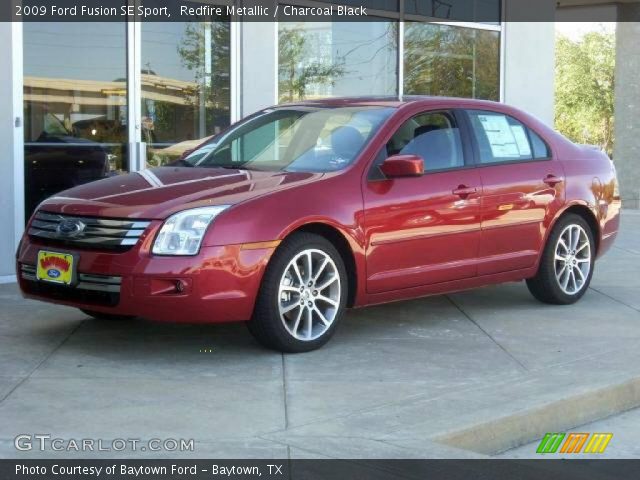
(301, 211)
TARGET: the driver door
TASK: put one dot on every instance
(423, 230)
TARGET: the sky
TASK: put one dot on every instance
(577, 30)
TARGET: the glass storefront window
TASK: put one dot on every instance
(321, 59)
(75, 106)
(451, 61)
(185, 85)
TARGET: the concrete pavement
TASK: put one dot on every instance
(459, 376)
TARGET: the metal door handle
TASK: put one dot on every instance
(552, 180)
(463, 191)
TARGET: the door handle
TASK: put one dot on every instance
(463, 191)
(552, 180)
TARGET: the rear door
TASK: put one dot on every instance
(522, 188)
(423, 230)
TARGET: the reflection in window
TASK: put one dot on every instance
(75, 105)
(321, 59)
(443, 60)
(434, 136)
(185, 85)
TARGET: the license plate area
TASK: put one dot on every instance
(56, 267)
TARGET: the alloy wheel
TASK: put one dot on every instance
(572, 261)
(309, 295)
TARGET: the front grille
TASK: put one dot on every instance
(97, 233)
(90, 289)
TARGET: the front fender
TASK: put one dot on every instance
(334, 201)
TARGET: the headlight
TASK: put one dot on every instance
(182, 232)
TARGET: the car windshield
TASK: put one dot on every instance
(293, 139)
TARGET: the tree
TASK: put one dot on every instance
(211, 80)
(451, 61)
(585, 88)
(296, 71)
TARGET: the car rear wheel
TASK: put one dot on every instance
(302, 297)
(567, 263)
(106, 316)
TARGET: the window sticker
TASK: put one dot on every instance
(501, 138)
(521, 140)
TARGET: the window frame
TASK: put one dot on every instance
(465, 113)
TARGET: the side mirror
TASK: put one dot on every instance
(403, 166)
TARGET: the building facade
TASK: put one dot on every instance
(88, 100)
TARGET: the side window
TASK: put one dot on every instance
(434, 136)
(540, 148)
(502, 138)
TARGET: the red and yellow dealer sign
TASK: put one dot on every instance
(55, 267)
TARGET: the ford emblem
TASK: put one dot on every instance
(70, 227)
(52, 273)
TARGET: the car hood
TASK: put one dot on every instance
(157, 193)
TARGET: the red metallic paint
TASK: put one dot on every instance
(515, 203)
(408, 237)
(419, 232)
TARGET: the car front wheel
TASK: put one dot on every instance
(567, 263)
(302, 297)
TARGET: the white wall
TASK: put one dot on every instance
(11, 151)
(529, 67)
(259, 66)
(626, 150)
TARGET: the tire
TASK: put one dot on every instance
(288, 313)
(106, 316)
(564, 279)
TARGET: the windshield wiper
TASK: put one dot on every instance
(231, 167)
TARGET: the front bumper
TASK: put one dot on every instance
(220, 284)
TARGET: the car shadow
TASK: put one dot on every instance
(139, 337)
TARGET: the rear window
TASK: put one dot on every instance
(502, 138)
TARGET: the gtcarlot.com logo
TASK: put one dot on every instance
(574, 443)
(45, 443)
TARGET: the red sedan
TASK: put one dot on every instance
(301, 211)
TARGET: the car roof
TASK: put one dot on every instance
(393, 101)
